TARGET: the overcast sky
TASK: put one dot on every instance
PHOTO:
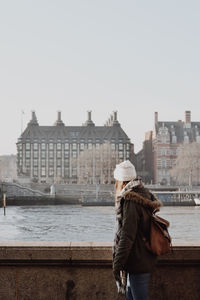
(136, 57)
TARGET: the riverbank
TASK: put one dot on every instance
(75, 200)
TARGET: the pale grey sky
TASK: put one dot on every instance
(136, 57)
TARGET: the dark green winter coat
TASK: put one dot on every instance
(131, 253)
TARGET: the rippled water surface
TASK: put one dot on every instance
(76, 223)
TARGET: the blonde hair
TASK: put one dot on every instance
(119, 185)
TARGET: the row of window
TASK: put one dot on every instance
(51, 161)
(59, 154)
(163, 163)
(74, 146)
(164, 151)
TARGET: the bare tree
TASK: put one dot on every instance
(187, 166)
(96, 165)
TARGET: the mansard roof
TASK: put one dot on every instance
(88, 131)
(74, 133)
(179, 128)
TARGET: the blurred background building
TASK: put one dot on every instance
(162, 146)
(72, 154)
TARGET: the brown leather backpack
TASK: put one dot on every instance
(159, 241)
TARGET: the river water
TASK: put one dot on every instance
(76, 223)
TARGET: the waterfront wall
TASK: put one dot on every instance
(82, 271)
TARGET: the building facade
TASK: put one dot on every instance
(167, 138)
(55, 154)
(161, 147)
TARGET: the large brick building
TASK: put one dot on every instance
(167, 137)
(161, 146)
(50, 153)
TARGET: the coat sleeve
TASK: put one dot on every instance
(127, 236)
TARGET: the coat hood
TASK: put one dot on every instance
(152, 203)
(139, 194)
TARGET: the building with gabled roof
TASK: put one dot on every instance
(50, 153)
(167, 138)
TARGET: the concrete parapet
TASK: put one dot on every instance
(83, 270)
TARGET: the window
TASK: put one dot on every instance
(35, 171)
(50, 146)
(127, 146)
(163, 163)
(74, 154)
(81, 146)
(66, 162)
(97, 145)
(127, 154)
(50, 154)
(51, 171)
(58, 162)
(74, 146)
(66, 146)
(120, 146)
(51, 162)
(74, 171)
(74, 134)
(121, 154)
(89, 145)
(163, 151)
(43, 146)
(66, 172)
(20, 146)
(35, 146)
(59, 146)
(28, 146)
(59, 171)
(43, 154)
(66, 153)
(35, 154)
(27, 154)
(59, 154)
(35, 162)
(113, 146)
(43, 162)
(43, 171)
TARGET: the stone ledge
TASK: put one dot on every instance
(63, 270)
(85, 252)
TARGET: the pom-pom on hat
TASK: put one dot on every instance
(125, 171)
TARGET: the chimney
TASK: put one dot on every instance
(33, 121)
(58, 121)
(89, 119)
(89, 115)
(187, 116)
(115, 121)
(156, 117)
(111, 120)
(59, 116)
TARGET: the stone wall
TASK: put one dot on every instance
(80, 271)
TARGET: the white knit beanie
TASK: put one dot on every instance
(125, 171)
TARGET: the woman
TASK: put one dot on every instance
(134, 205)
